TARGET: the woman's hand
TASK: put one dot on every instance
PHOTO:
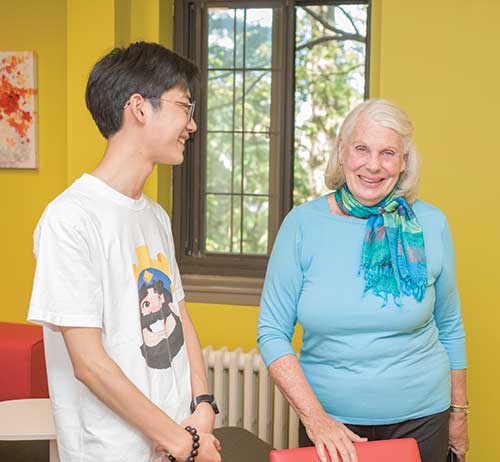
(203, 418)
(458, 436)
(327, 433)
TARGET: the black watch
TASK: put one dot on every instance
(210, 399)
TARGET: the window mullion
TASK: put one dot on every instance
(201, 57)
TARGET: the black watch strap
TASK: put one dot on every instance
(210, 399)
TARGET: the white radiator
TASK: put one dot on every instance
(248, 398)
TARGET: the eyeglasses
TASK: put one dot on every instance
(188, 106)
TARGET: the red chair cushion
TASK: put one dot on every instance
(397, 450)
(22, 362)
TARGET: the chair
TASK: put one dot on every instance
(240, 445)
(397, 450)
(22, 362)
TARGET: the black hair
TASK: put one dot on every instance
(145, 68)
(158, 288)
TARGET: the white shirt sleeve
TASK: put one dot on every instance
(67, 288)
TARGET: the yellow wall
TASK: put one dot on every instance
(436, 58)
(90, 34)
(39, 26)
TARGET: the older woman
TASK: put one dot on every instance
(369, 273)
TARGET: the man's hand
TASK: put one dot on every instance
(203, 418)
(208, 451)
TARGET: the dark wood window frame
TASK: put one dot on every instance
(223, 278)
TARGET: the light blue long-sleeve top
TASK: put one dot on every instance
(367, 363)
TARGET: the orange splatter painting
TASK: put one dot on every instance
(18, 114)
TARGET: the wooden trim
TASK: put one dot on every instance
(222, 290)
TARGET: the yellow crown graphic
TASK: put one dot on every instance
(145, 261)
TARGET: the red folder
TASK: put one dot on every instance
(397, 450)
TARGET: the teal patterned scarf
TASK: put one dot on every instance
(393, 257)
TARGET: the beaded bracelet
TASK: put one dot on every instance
(194, 449)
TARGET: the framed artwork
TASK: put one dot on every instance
(18, 109)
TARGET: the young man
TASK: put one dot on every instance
(124, 361)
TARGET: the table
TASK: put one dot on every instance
(31, 419)
(27, 420)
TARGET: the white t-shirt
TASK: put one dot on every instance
(105, 260)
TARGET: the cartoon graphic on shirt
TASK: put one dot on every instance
(160, 318)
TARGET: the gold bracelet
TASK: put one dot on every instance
(459, 406)
(459, 410)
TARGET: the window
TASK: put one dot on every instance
(277, 77)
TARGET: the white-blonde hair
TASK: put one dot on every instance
(388, 115)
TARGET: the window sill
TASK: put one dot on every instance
(228, 290)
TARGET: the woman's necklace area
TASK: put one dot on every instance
(336, 210)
